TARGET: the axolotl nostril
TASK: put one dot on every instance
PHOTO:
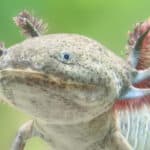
(69, 84)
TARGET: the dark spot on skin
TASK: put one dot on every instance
(20, 64)
(1, 52)
(44, 89)
(100, 49)
(91, 80)
(29, 83)
(33, 101)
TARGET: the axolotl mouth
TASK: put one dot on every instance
(62, 77)
(50, 98)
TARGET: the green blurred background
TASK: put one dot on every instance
(104, 20)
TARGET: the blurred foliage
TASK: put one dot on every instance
(104, 20)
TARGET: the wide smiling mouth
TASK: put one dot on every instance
(32, 77)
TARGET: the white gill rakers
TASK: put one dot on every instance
(129, 125)
(136, 131)
(144, 132)
(131, 136)
(138, 127)
(145, 141)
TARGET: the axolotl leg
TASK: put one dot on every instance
(25, 132)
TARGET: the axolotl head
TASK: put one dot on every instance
(61, 77)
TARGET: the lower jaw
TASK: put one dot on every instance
(40, 79)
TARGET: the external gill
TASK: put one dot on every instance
(30, 25)
(135, 53)
(137, 76)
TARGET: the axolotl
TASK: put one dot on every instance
(69, 84)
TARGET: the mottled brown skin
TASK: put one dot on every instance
(71, 100)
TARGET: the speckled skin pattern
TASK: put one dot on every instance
(71, 100)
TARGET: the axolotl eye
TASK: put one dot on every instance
(66, 57)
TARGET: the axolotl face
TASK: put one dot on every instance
(61, 78)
